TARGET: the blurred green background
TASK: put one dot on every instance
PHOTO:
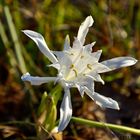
(116, 31)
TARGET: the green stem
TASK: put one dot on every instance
(102, 125)
(9, 51)
(56, 93)
(15, 39)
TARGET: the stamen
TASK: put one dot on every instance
(82, 56)
(89, 66)
(72, 66)
(76, 74)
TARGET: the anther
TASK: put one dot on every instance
(76, 74)
(72, 66)
(89, 66)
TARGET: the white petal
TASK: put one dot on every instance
(76, 44)
(55, 65)
(59, 54)
(37, 80)
(103, 101)
(85, 82)
(65, 111)
(40, 42)
(95, 77)
(81, 89)
(83, 29)
(119, 62)
(97, 54)
(88, 47)
(65, 63)
(98, 67)
(67, 43)
(90, 84)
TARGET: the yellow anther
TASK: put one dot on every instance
(76, 74)
(81, 56)
(72, 66)
(89, 66)
(74, 70)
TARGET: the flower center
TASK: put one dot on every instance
(81, 64)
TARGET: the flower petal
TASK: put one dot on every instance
(40, 42)
(65, 63)
(59, 54)
(95, 67)
(100, 68)
(88, 47)
(76, 44)
(37, 80)
(103, 101)
(85, 82)
(83, 29)
(65, 111)
(55, 65)
(97, 54)
(80, 89)
(90, 84)
(119, 62)
(67, 43)
(95, 77)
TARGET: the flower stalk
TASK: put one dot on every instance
(90, 123)
(114, 127)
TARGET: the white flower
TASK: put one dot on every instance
(77, 67)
